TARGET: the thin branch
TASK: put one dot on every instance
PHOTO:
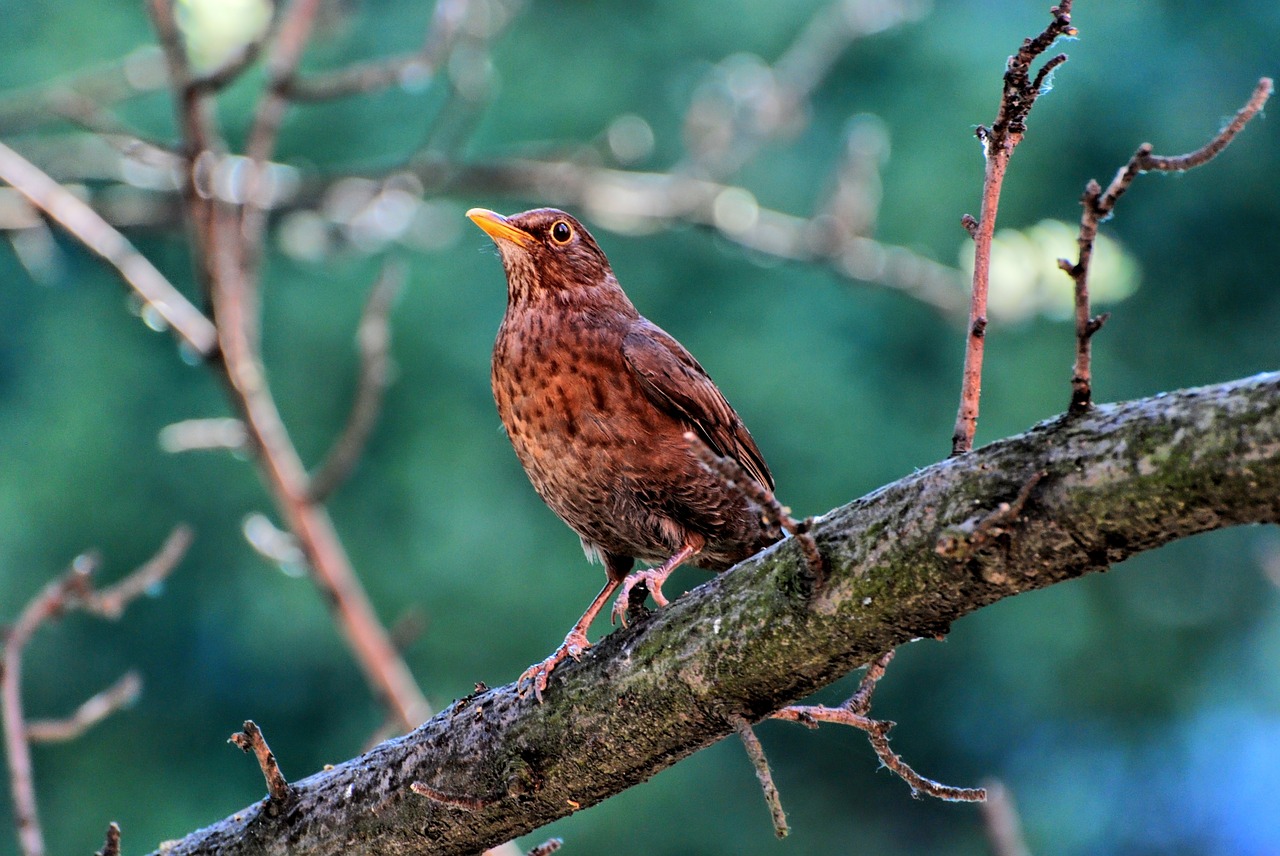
(725, 129)
(111, 601)
(227, 247)
(309, 522)
(118, 696)
(854, 714)
(201, 139)
(364, 77)
(1019, 95)
(374, 339)
(72, 590)
(251, 740)
(231, 69)
(1099, 205)
(138, 73)
(755, 752)
(629, 202)
(284, 54)
(84, 224)
(860, 701)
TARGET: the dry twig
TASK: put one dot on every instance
(998, 143)
(725, 129)
(227, 243)
(73, 590)
(447, 19)
(374, 339)
(854, 713)
(85, 225)
(761, 764)
(1099, 205)
(251, 740)
(118, 696)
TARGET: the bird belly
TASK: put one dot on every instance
(611, 464)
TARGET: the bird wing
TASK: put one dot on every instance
(672, 378)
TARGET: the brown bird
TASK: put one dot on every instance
(597, 401)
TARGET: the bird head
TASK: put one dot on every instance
(546, 253)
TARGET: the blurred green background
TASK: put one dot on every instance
(1132, 712)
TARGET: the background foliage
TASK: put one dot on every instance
(1133, 712)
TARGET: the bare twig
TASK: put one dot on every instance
(332, 571)
(725, 129)
(72, 590)
(119, 695)
(251, 740)
(374, 339)
(360, 78)
(761, 764)
(1098, 206)
(854, 714)
(201, 140)
(1001, 823)
(860, 701)
(227, 246)
(112, 845)
(286, 49)
(234, 66)
(187, 322)
(111, 601)
(998, 142)
(138, 73)
(283, 56)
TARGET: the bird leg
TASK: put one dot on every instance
(654, 578)
(537, 675)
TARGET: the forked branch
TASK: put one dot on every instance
(1099, 204)
(998, 142)
(854, 712)
(73, 590)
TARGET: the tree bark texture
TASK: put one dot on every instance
(902, 562)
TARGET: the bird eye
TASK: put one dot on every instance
(561, 232)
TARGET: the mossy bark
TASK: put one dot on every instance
(902, 562)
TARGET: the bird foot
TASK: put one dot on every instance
(536, 676)
(653, 578)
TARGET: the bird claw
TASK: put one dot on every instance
(653, 580)
(536, 676)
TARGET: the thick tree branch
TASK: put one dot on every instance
(1119, 480)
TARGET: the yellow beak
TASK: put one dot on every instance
(498, 227)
